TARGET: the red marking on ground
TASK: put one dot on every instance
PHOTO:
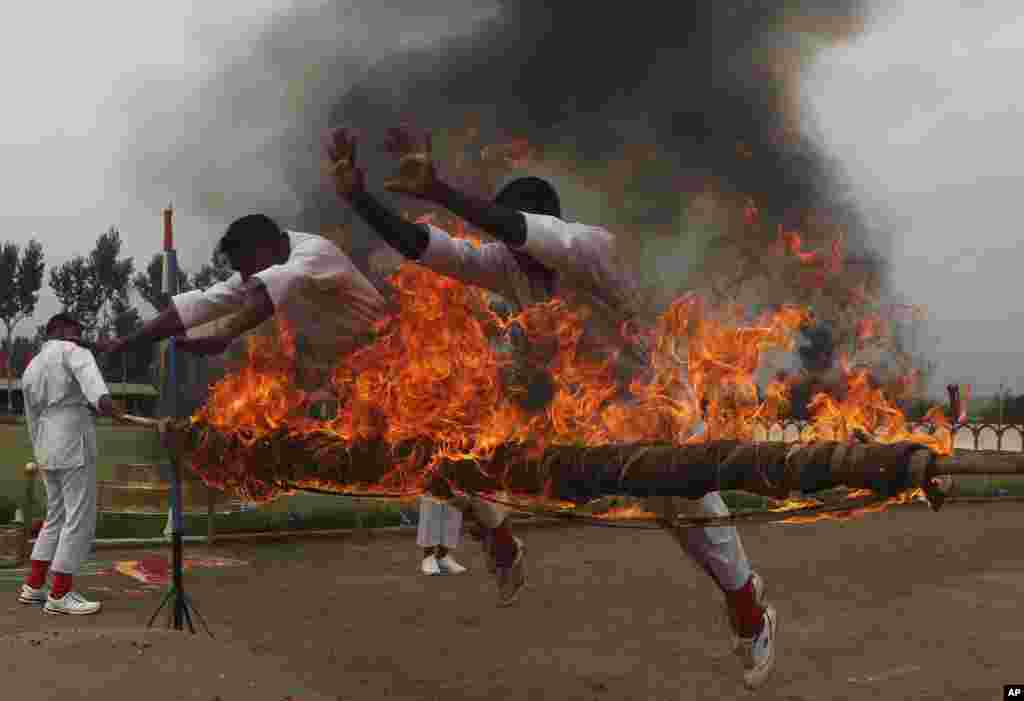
(157, 570)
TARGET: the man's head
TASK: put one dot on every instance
(532, 195)
(63, 325)
(535, 196)
(254, 243)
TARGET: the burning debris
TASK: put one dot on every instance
(428, 397)
(581, 474)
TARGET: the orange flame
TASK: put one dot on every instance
(820, 266)
(906, 497)
(633, 512)
(434, 372)
(867, 409)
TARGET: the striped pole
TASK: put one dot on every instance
(180, 604)
(169, 391)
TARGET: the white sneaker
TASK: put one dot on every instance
(71, 604)
(32, 596)
(759, 599)
(758, 653)
(429, 566)
(450, 566)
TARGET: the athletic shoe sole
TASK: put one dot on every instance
(65, 612)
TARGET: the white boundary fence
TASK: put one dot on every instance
(972, 436)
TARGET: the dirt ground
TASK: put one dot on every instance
(903, 604)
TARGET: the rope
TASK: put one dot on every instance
(750, 517)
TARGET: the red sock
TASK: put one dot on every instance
(37, 578)
(505, 547)
(61, 585)
(748, 616)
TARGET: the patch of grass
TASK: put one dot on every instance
(152, 525)
(981, 487)
(744, 501)
(116, 444)
(8, 507)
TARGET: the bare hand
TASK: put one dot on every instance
(108, 407)
(416, 173)
(338, 163)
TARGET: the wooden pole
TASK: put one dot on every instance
(267, 467)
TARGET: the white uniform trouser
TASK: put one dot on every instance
(440, 524)
(718, 550)
(67, 534)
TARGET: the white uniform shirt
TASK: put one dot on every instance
(588, 271)
(318, 290)
(59, 386)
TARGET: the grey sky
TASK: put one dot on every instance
(921, 112)
(924, 113)
(92, 114)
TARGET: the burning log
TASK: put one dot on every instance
(573, 473)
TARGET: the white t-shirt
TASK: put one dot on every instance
(318, 290)
(588, 270)
(60, 385)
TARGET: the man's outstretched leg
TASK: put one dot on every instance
(505, 553)
(719, 552)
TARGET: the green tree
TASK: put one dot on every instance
(73, 283)
(150, 284)
(95, 287)
(217, 270)
(132, 365)
(21, 277)
(19, 352)
(112, 276)
(40, 338)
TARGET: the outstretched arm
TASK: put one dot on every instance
(506, 225)
(346, 178)
(247, 303)
(409, 239)
(164, 325)
(256, 308)
(418, 177)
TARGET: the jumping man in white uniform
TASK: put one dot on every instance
(304, 277)
(62, 386)
(542, 256)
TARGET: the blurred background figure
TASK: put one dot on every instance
(439, 531)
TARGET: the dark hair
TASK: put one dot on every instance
(252, 229)
(58, 320)
(532, 195)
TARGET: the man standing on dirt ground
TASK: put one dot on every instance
(542, 256)
(61, 386)
(439, 531)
